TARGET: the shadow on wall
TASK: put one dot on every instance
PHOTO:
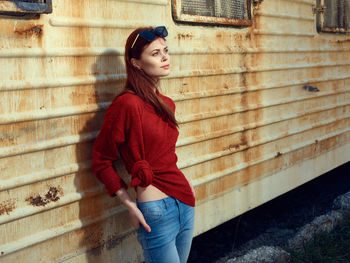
(94, 239)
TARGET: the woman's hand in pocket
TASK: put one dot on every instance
(137, 217)
(135, 214)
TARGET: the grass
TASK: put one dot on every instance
(332, 247)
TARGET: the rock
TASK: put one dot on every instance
(320, 224)
(264, 254)
(342, 202)
(273, 236)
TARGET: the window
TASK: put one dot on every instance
(234, 12)
(23, 7)
(333, 16)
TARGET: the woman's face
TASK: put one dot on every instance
(155, 59)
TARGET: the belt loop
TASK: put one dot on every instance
(165, 203)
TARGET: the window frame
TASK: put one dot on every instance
(20, 8)
(179, 17)
(319, 9)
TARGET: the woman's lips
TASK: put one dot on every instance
(166, 66)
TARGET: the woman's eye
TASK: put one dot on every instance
(155, 54)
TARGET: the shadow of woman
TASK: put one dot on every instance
(100, 232)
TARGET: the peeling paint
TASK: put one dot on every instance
(184, 36)
(343, 41)
(35, 30)
(7, 138)
(7, 206)
(51, 196)
(111, 243)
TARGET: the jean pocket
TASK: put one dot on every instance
(152, 211)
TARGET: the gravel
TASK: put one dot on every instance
(274, 223)
(263, 254)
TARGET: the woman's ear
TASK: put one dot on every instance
(136, 63)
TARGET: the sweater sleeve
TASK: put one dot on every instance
(105, 149)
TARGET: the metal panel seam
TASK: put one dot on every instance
(284, 33)
(219, 154)
(88, 80)
(283, 15)
(70, 169)
(53, 113)
(47, 144)
(211, 177)
(43, 175)
(209, 115)
(71, 111)
(58, 231)
(146, 2)
(27, 211)
(119, 51)
(307, 2)
(99, 23)
(236, 129)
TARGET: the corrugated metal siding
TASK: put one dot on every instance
(248, 129)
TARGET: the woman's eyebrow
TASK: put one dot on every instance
(158, 49)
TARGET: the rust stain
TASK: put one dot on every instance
(93, 98)
(51, 196)
(7, 138)
(343, 41)
(33, 30)
(94, 239)
(7, 206)
(256, 4)
(115, 240)
(234, 146)
(254, 172)
(244, 141)
(184, 36)
(242, 144)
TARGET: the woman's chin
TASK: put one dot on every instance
(165, 73)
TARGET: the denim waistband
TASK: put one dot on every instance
(165, 202)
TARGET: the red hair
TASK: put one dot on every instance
(138, 82)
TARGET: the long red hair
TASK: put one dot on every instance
(138, 82)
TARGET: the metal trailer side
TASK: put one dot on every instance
(252, 126)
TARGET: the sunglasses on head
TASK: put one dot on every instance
(150, 34)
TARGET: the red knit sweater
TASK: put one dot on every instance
(146, 144)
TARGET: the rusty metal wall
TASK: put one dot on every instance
(249, 131)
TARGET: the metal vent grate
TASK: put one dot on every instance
(236, 12)
(228, 9)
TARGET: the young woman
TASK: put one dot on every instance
(141, 126)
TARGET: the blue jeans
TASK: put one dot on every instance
(171, 223)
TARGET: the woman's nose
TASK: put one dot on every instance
(165, 57)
